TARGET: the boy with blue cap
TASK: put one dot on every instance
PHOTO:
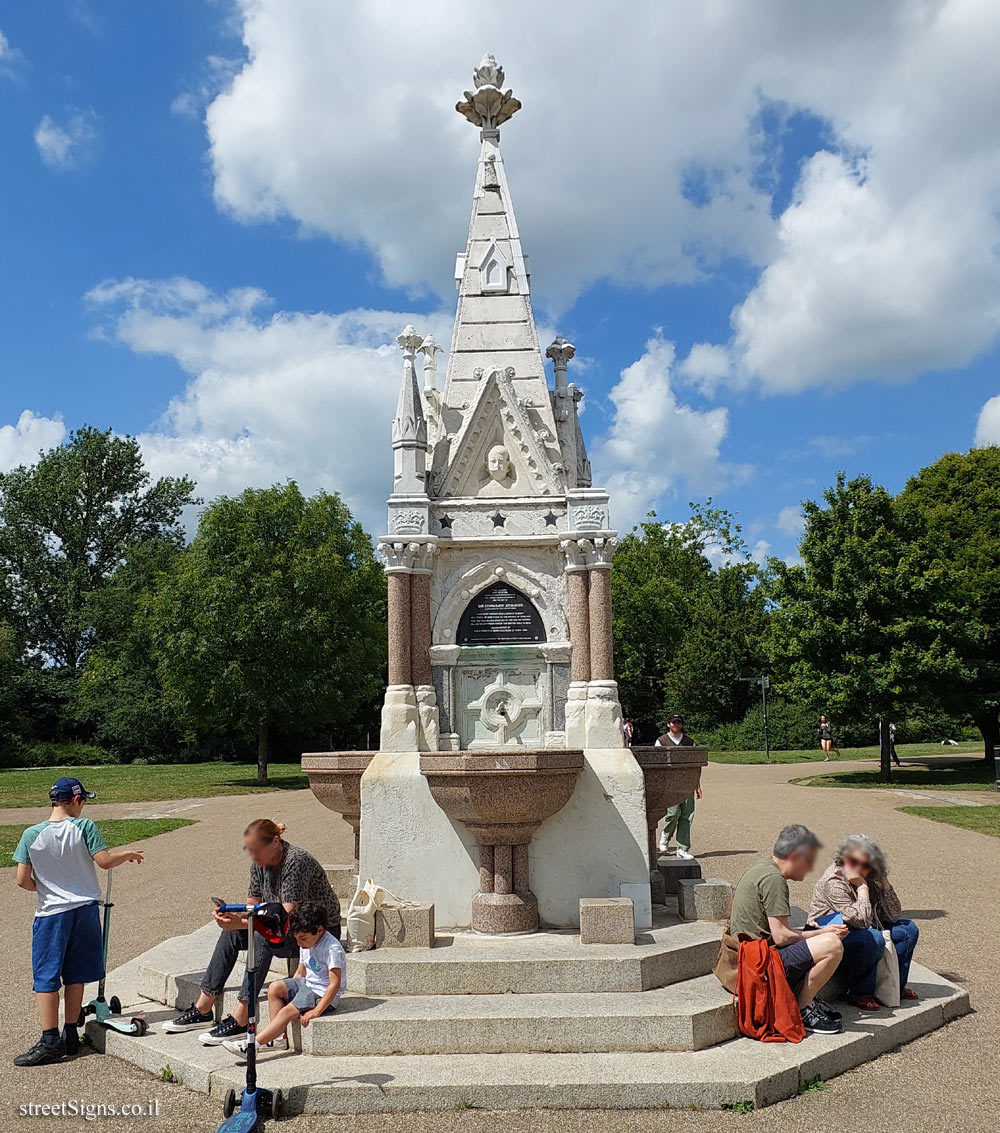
(56, 859)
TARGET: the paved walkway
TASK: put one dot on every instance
(948, 880)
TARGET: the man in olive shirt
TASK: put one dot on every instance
(761, 910)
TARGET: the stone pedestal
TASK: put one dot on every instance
(705, 899)
(606, 920)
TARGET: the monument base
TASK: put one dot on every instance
(410, 846)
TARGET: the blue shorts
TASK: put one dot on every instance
(797, 961)
(302, 996)
(67, 948)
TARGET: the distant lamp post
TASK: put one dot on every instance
(765, 683)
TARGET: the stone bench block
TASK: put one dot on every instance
(343, 881)
(607, 920)
(676, 870)
(404, 926)
(705, 899)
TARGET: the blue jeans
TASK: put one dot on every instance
(862, 950)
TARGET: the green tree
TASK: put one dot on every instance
(684, 630)
(843, 632)
(274, 618)
(952, 509)
(66, 524)
(120, 693)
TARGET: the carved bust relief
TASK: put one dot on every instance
(499, 475)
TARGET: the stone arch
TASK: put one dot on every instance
(533, 584)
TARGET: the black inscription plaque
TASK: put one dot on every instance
(500, 615)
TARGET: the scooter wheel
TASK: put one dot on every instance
(140, 1025)
(115, 1004)
(277, 1104)
(229, 1105)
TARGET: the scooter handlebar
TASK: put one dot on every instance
(223, 907)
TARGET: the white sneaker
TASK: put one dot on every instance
(685, 855)
(664, 844)
(237, 1047)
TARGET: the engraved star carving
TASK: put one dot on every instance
(550, 519)
(498, 519)
(445, 522)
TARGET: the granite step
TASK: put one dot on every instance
(689, 1015)
(552, 963)
(732, 1072)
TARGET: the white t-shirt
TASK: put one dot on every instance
(324, 955)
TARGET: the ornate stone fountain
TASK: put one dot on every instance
(502, 798)
(335, 779)
(670, 775)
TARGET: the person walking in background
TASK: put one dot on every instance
(826, 741)
(628, 731)
(680, 817)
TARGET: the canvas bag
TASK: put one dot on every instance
(727, 962)
(364, 904)
(887, 989)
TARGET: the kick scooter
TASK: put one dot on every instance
(109, 1012)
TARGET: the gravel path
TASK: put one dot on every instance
(948, 880)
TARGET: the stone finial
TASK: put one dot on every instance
(409, 341)
(430, 348)
(560, 352)
(488, 106)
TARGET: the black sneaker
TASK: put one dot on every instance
(828, 1011)
(227, 1029)
(190, 1020)
(42, 1053)
(817, 1022)
(71, 1039)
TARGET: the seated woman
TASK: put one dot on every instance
(279, 871)
(857, 887)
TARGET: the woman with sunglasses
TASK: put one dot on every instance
(856, 885)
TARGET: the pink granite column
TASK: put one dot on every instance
(399, 628)
(602, 666)
(579, 624)
(420, 628)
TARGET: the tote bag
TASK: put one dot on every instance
(361, 916)
(887, 974)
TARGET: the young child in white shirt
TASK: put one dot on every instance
(316, 987)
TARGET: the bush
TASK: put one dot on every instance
(791, 727)
(56, 755)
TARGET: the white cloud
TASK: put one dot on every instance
(791, 520)
(10, 57)
(654, 441)
(21, 443)
(271, 395)
(884, 264)
(216, 75)
(988, 425)
(68, 145)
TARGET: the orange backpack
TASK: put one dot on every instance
(765, 1007)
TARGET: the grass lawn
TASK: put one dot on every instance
(905, 751)
(128, 783)
(982, 819)
(975, 776)
(116, 831)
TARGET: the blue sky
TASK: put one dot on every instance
(214, 217)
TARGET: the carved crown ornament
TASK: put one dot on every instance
(413, 555)
(488, 106)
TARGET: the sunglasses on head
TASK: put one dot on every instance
(858, 863)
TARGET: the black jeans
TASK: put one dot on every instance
(224, 956)
(227, 949)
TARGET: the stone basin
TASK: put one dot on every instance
(670, 775)
(335, 779)
(502, 797)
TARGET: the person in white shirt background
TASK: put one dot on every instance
(679, 817)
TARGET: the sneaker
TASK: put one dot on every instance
(684, 855)
(828, 1011)
(817, 1022)
(71, 1038)
(237, 1047)
(227, 1029)
(664, 844)
(42, 1053)
(190, 1020)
